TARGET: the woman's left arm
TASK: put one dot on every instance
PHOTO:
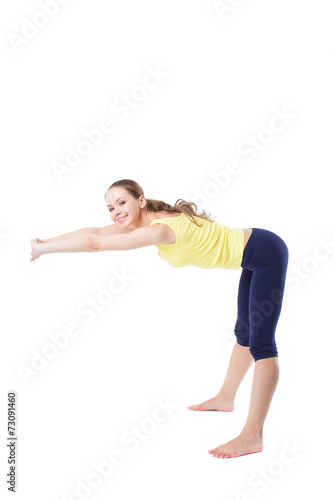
(137, 238)
(83, 243)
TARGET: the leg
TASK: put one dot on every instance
(266, 294)
(250, 440)
(240, 361)
(241, 358)
(265, 379)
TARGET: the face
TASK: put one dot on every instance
(123, 207)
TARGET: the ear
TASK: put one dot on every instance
(142, 201)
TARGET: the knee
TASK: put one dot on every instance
(263, 350)
(242, 332)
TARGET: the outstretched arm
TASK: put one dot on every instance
(141, 237)
(128, 240)
(74, 234)
(105, 230)
(79, 243)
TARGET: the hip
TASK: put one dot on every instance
(262, 247)
(247, 234)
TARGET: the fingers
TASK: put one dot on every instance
(34, 255)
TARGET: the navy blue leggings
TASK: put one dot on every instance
(260, 293)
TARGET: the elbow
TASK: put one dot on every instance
(94, 243)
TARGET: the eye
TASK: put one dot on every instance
(110, 209)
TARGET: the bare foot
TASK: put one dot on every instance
(218, 404)
(241, 445)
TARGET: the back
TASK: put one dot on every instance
(209, 246)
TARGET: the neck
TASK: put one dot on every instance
(144, 221)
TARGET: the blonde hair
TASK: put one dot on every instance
(186, 207)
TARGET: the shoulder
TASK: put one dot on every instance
(164, 233)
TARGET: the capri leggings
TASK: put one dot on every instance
(260, 294)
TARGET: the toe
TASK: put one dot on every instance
(217, 453)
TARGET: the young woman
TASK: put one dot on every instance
(184, 237)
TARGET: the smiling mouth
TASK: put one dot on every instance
(122, 218)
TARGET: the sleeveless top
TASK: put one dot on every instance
(209, 246)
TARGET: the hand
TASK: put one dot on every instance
(35, 253)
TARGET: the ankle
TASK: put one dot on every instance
(252, 433)
(223, 395)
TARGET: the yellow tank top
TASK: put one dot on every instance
(211, 245)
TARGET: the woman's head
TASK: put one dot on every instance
(126, 202)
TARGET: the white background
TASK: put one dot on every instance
(167, 334)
